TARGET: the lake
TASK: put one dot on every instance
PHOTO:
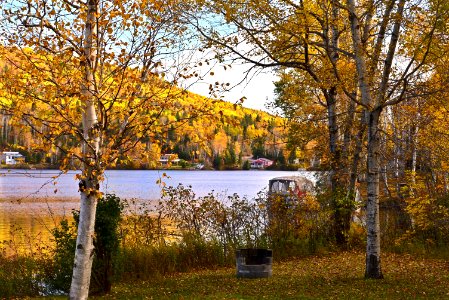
(35, 200)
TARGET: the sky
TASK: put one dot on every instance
(257, 88)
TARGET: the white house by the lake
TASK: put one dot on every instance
(12, 158)
(167, 159)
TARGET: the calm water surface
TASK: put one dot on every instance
(35, 200)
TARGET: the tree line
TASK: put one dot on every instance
(219, 143)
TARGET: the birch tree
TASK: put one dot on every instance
(100, 75)
(388, 64)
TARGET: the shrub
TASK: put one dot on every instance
(424, 222)
(23, 261)
(291, 228)
(19, 276)
(233, 221)
(298, 225)
(106, 242)
(59, 273)
(357, 236)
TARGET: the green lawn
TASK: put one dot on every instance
(328, 277)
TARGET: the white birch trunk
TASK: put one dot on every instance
(373, 111)
(79, 288)
(372, 269)
(82, 268)
(415, 146)
(373, 265)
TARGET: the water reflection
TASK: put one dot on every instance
(26, 225)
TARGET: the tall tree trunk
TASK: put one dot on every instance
(373, 108)
(89, 184)
(341, 206)
(373, 269)
(356, 157)
(373, 266)
(415, 131)
(347, 135)
(414, 154)
(341, 211)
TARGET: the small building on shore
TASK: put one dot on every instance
(12, 158)
(261, 163)
(168, 159)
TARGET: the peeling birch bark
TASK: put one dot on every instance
(79, 288)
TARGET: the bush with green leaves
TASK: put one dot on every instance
(59, 273)
(106, 242)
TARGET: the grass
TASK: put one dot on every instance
(335, 276)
